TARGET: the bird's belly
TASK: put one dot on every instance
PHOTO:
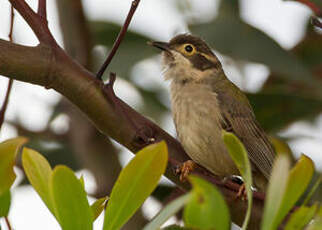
(197, 121)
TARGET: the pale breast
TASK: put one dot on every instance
(197, 119)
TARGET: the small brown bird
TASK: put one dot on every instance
(204, 102)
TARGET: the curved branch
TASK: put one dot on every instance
(49, 66)
(52, 68)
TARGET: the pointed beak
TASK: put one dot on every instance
(161, 45)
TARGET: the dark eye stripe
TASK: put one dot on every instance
(188, 48)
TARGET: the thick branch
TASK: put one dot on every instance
(52, 68)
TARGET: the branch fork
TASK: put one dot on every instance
(109, 114)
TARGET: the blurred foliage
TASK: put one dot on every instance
(239, 155)
(291, 93)
(206, 208)
(133, 49)
(228, 34)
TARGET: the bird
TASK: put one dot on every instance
(204, 102)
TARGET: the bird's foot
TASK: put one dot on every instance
(185, 169)
(242, 193)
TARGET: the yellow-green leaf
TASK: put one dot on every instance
(8, 153)
(301, 217)
(172, 208)
(239, 155)
(134, 184)
(98, 206)
(275, 193)
(206, 208)
(317, 221)
(297, 182)
(38, 172)
(69, 200)
(5, 200)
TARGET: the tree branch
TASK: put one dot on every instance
(42, 12)
(108, 113)
(316, 10)
(119, 38)
(36, 22)
(6, 99)
(49, 66)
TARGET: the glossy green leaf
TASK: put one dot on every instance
(301, 217)
(38, 172)
(81, 180)
(317, 221)
(228, 34)
(169, 210)
(207, 208)
(297, 182)
(281, 147)
(313, 190)
(5, 201)
(239, 155)
(134, 184)
(98, 207)
(275, 193)
(69, 200)
(8, 153)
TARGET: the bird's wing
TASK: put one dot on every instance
(238, 117)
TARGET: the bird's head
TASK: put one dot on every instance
(187, 57)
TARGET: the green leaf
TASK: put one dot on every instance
(98, 207)
(297, 182)
(5, 200)
(168, 211)
(301, 217)
(70, 201)
(38, 172)
(275, 193)
(317, 221)
(206, 208)
(81, 180)
(8, 153)
(281, 147)
(176, 227)
(313, 190)
(228, 34)
(239, 155)
(134, 184)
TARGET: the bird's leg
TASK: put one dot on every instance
(242, 193)
(185, 169)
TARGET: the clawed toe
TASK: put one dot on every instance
(185, 169)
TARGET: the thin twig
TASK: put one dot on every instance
(12, 16)
(8, 223)
(119, 39)
(39, 27)
(42, 9)
(6, 99)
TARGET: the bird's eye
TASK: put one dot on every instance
(188, 48)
